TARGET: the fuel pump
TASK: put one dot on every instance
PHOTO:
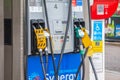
(52, 17)
(51, 32)
(87, 44)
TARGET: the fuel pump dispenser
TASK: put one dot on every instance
(56, 34)
(54, 16)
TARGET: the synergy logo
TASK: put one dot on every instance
(34, 76)
(49, 77)
(62, 77)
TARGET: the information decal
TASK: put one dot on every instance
(98, 57)
(102, 9)
(97, 35)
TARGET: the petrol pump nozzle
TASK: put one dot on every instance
(46, 34)
(79, 32)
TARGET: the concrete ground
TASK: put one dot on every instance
(111, 75)
(112, 63)
(112, 56)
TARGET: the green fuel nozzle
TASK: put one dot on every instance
(79, 32)
(79, 35)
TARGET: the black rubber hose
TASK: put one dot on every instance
(82, 62)
(82, 57)
(46, 53)
(42, 63)
(90, 58)
(65, 37)
(93, 68)
(83, 69)
(50, 42)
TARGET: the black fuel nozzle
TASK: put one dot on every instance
(78, 25)
(35, 24)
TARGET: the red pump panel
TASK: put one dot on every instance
(102, 9)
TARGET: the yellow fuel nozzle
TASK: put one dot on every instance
(40, 38)
(86, 39)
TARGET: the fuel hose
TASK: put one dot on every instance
(65, 37)
(90, 58)
(82, 56)
(42, 63)
(82, 62)
(50, 42)
(46, 53)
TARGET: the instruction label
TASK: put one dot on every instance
(98, 58)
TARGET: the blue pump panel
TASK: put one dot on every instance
(68, 69)
(79, 2)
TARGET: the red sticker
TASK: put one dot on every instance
(102, 9)
(73, 2)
